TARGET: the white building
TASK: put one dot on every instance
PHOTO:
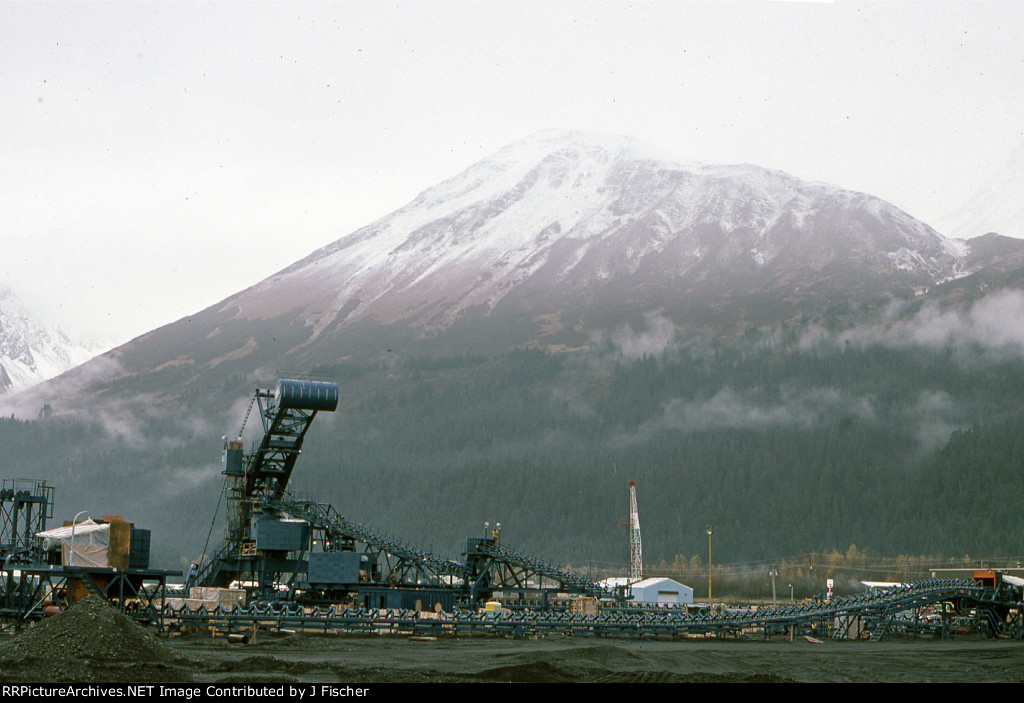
(654, 590)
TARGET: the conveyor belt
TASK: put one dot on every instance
(868, 615)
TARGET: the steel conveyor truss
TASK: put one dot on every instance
(492, 567)
(405, 564)
(878, 614)
(286, 415)
(489, 567)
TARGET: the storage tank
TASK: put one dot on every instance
(307, 395)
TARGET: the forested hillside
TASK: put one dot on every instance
(781, 446)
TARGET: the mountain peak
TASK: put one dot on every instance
(559, 239)
(590, 216)
(563, 210)
(31, 350)
(547, 141)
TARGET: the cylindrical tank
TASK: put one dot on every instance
(307, 395)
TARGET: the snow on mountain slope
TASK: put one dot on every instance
(31, 352)
(586, 207)
(558, 241)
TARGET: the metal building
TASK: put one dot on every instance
(661, 591)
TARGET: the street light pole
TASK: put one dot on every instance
(71, 556)
(708, 530)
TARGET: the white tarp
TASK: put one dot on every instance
(1015, 580)
(82, 544)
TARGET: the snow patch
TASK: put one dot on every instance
(32, 351)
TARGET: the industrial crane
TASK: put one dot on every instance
(278, 547)
(258, 538)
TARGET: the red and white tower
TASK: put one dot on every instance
(635, 550)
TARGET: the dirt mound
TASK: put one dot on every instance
(90, 641)
(534, 672)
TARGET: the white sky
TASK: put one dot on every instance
(156, 157)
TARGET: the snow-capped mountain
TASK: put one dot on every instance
(31, 351)
(556, 241)
(562, 219)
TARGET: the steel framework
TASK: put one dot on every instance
(636, 559)
(257, 487)
(25, 506)
(872, 615)
(257, 479)
(29, 584)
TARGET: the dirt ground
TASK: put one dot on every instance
(91, 642)
(369, 659)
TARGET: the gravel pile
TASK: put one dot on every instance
(90, 641)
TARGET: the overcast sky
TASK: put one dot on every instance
(159, 156)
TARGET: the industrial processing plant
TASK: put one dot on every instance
(293, 564)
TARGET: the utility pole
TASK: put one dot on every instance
(708, 530)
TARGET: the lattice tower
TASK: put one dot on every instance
(635, 549)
